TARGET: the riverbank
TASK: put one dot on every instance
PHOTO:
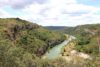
(70, 54)
(56, 51)
(66, 51)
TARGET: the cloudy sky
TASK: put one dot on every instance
(53, 12)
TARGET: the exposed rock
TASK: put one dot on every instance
(83, 55)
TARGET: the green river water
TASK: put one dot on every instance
(56, 51)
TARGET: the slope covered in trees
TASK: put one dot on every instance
(87, 36)
(88, 40)
(22, 41)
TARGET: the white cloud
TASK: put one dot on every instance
(20, 4)
(60, 12)
(63, 12)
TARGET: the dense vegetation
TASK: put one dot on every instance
(87, 36)
(88, 40)
(21, 42)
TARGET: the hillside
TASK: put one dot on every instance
(62, 29)
(86, 35)
(73, 30)
(56, 27)
(21, 41)
(23, 44)
(88, 40)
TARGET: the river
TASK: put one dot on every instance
(56, 51)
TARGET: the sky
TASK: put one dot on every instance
(52, 12)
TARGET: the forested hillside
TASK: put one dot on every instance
(23, 44)
(88, 40)
(88, 36)
(22, 41)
